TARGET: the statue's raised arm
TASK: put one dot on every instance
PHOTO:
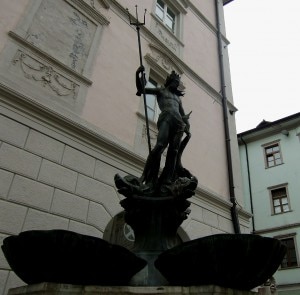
(140, 81)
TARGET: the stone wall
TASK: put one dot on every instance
(49, 183)
(54, 178)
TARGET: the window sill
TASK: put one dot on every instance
(275, 214)
(287, 268)
(273, 166)
(174, 34)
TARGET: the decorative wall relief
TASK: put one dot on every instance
(63, 32)
(166, 38)
(45, 75)
(162, 59)
(78, 45)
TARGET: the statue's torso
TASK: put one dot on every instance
(170, 104)
(168, 101)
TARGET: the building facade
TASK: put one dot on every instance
(270, 170)
(70, 119)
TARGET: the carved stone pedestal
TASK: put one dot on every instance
(63, 289)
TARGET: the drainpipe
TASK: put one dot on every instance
(234, 214)
(249, 183)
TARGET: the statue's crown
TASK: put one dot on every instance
(174, 76)
(171, 77)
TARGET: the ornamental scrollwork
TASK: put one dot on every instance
(45, 75)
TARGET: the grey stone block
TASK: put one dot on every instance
(225, 224)
(84, 229)
(19, 161)
(58, 176)
(44, 221)
(210, 218)
(98, 192)
(31, 192)
(13, 132)
(13, 281)
(196, 212)
(3, 279)
(70, 205)
(3, 262)
(98, 216)
(5, 182)
(45, 146)
(105, 172)
(7, 210)
(79, 161)
(197, 229)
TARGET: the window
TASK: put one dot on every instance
(272, 155)
(290, 259)
(165, 14)
(151, 101)
(153, 110)
(280, 200)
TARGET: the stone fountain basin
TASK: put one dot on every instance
(237, 261)
(61, 256)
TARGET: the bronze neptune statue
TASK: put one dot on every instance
(172, 124)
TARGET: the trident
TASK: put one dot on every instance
(138, 25)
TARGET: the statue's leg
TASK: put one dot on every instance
(172, 157)
(184, 142)
(151, 170)
(151, 167)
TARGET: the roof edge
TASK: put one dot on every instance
(227, 1)
(269, 124)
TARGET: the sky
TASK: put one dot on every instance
(264, 55)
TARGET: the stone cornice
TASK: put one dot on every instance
(205, 195)
(105, 3)
(101, 19)
(73, 127)
(185, 3)
(178, 5)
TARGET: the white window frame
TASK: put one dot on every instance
(165, 11)
(277, 155)
(280, 204)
